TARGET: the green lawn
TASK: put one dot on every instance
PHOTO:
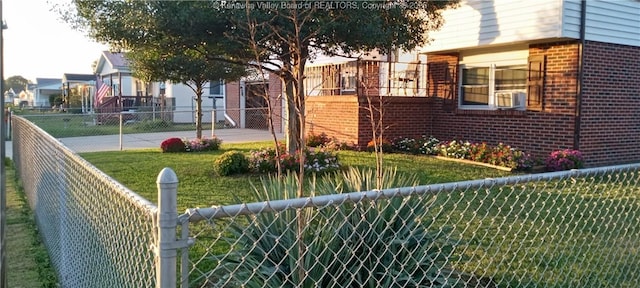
(199, 187)
(61, 125)
(563, 233)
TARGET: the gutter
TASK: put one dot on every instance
(580, 82)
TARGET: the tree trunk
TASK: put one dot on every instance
(199, 111)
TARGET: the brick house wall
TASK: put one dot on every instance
(232, 100)
(605, 126)
(537, 132)
(348, 118)
(610, 118)
(232, 90)
(337, 116)
(276, 95)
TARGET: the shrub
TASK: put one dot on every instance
(424, 145)
(566, 159)
(231, 162)
(317, 140)
(384, 144)
(320, 160)
(203, 144)
(264, 160)
(172, 145)
(455, 149)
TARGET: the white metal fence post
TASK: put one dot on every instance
(120, 134)
(213, 122)
(166, 248)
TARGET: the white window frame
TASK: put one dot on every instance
(491, 105)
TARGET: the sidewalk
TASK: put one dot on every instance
(153, 140)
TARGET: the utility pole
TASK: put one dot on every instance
(3, 172)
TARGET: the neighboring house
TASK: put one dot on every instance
(10, 96)
(247, 101)
(44, 89)
(538, 75)
(78, 92)
(113, 70)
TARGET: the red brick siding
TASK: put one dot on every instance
(337, 116)
(538, 133)
(610, 114)
(276, 94)
(402, 117)
(610, 121)
(232, 99)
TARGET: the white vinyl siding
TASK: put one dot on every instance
(480, 23)
(615, 22)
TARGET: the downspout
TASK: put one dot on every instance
(578, 113)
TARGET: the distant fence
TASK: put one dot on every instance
(564, 229)
(117, 130)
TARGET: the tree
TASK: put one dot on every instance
(164, 40)
(292, 32)
(17, 83)
(286, 34)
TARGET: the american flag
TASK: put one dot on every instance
(102, 90)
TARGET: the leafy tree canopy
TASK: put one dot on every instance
(17, 83)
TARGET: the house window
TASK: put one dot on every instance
(475, 86)
(348, 76)
(349, 81)
(487, 86)
(215, 87)
(503, 87)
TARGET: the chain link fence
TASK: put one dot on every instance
(121, 130)
(98, 233)
(562, 229)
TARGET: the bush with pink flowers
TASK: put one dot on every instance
(194, 145)
(565, 159)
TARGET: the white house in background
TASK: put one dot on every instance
(38, 94)
(113, 69)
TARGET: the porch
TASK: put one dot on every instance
(343, 97)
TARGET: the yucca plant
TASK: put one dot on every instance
(373, 243)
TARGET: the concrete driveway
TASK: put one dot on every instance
(152, 140)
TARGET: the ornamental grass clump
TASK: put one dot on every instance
(173, 145)
(565, 159)
(382, 243)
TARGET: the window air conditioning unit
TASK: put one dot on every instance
(510, 99)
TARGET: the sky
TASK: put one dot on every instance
(37, 44)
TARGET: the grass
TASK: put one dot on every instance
(562, 233)
(61, 125)
(200, 187)
(27, 259)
